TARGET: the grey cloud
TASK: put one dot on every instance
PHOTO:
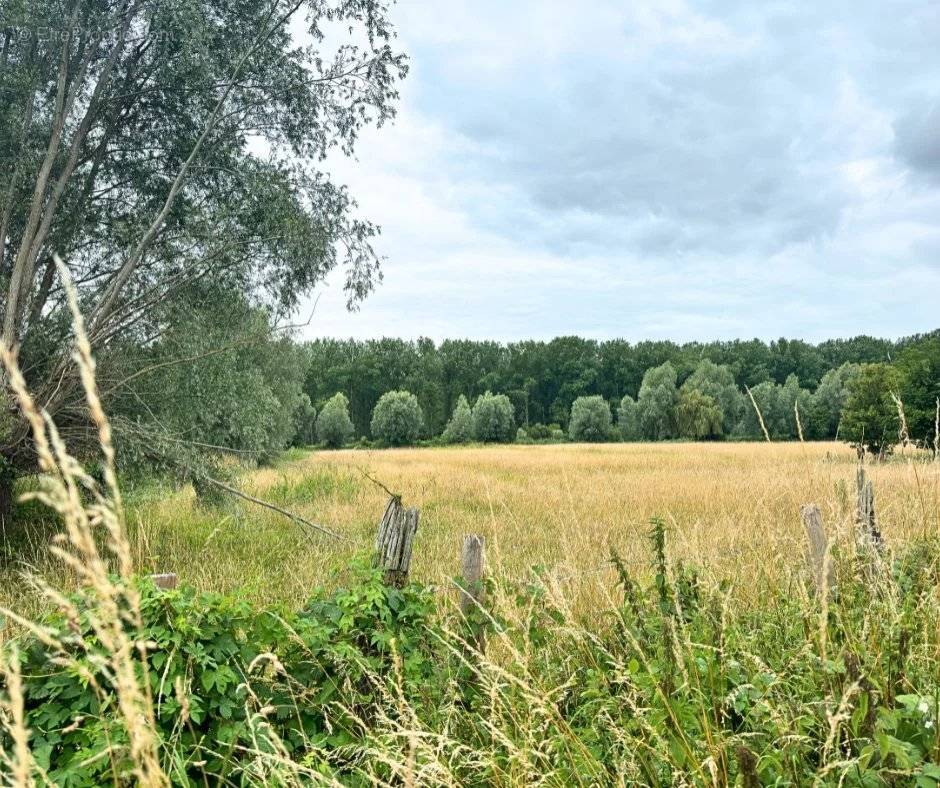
(714, 143)
(661, 168)
(917, 136)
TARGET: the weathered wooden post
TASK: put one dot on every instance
(166, 581)
(819, 559)
(867, 534)
(471, 569)
(471, 589)
(395, 542)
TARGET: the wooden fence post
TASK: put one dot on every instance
(867, 534)
(819, 559)
(471, 569)
(166, 581)
(472, 564)
(395, 542)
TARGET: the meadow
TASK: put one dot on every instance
(700, 655)
(732, 509)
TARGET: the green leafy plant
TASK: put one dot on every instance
(226, 679)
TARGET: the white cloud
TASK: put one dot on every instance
(684, 170)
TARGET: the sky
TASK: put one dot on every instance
(661, 169)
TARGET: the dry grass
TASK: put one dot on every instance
(731, 507)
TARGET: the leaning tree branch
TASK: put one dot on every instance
(377, 483)
(278, 509)
(113, 290)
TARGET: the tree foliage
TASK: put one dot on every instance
(218, 378)
(827, 402)
(334, 427)
(628, 419)
(698, 415)
(161, 146)
(460, 427)
(656, 403)
(397, 419)
(305, 422)
(493, 420)
(778, 409)
(870, 418)
(542, 379)
(717, 382)
(919, 388)
(590, 419)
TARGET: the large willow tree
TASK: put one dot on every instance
(165, 146)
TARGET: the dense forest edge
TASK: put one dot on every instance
(653, 390)
(255, 398)
(188, 404)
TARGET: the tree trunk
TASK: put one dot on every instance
(6, 502)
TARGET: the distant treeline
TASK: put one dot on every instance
(543, 379)
(255, 396)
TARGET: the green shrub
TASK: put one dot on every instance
(397, 419)
(460, 427)
(334, 427)
(493, 420)
(539, 432)
(214, 664)
(590, 419)
(366, 685)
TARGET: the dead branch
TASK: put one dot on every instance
(295, 517)
(396, 496)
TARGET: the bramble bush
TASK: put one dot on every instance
(227, 679)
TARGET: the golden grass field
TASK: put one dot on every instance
(730, 507)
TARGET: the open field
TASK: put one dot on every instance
(730, 507)
(587, 677)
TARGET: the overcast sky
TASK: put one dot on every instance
(657, 169)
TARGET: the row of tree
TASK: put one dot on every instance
(543, 379)
(694, 391)
(862, 403)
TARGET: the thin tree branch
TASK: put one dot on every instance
(278, 509)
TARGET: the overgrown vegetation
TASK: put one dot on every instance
(669, 682)
(674, 677)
